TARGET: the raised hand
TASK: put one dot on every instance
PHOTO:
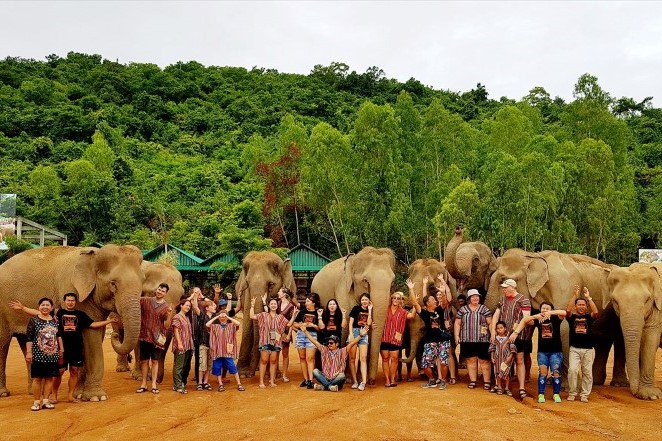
(264, 298)
(576, 292)
(15, 304)
(217, 288)
(253, 302)
(426, 280)
(320, 312)
(410, 284)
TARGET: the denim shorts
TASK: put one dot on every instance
(355, 333)
(552, 360)
(269, 348)
(302, 341)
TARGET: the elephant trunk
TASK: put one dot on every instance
(129, 311)
(632, 332)
(451, 253)
(413, 348)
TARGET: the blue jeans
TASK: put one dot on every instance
(552, 361)
(339, 380)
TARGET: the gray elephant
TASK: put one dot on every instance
(471, 264)
(418, 270)
(263, 272)
(636, 295)
(370, 270)
(106, 279)
(551, 276)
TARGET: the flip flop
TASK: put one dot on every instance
(240, 388)
(452, 381)
(221, 388)
(141, 390)
(155, 390)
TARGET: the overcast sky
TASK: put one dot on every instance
(510, 47)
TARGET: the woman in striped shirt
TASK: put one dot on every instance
(182, 346)
(271, 327)
(391, 344)
(471, 331)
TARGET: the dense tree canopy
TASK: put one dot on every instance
(224, 159)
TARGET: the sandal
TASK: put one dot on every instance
(522, 394)
(486, 386)
(155, 390)
(471, 385)
(206, 386)
(240, 388)
(199, 387)
(509, 393)
(221, 388)
(499, 391)
(451, 381)
(182, 391)
(141, 390)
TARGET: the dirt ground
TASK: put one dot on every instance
(287, 412)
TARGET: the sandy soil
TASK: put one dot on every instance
(406, 412)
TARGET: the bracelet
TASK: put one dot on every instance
(515, 332)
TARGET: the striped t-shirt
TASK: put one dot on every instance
(181, 322)
(473, 327)
(333, 362)
(223, 340)
(394, 326)
(270, 328)
(152, 319)
(511, 314)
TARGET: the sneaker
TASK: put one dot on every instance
(442, 385)
(541, 398)
(333, 388)
(429, 384)
(318, 387)
(584, 399)
(310, 384)
(361, 386)
(571, 398)
(557, 398)
(304, 383)
(36, 406)
(355, 386)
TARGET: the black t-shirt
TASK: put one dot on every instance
(305, 316)
(549, 334)
(333, 325)
(580, 331)
(434, 322)
(360, 316)
(70, 328)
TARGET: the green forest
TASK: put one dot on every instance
(227, 160)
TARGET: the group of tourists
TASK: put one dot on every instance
(205, 331)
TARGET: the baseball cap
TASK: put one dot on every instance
(332, 338)
(509, 282)
(222, 302)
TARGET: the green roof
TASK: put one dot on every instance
(305, 258)
(185, 260)
(225, 258)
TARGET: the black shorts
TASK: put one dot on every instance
(40, 369)
(71, 359)
(389, 347)
(525, 346)
(149, 351)
(479, 349)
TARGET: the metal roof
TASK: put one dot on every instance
(305, 258)
(185, 260)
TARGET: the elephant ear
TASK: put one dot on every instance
(286, 275)
(85, 274)
(537, 275)
(657, 289)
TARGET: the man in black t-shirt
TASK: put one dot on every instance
(71, 323)
(582, 353)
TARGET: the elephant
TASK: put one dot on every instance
(551, 276)
(106, 279)
(155, 273)
(6, 230)
(419, 269)
(471, 264)
(370, 270)
(262, 272)
(636, 295)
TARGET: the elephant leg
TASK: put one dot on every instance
(23, 344)
(255, 353)
(164, 352)
(5, 339)
(373, 361)
(246, 350)
(122, 360)
(136, 373)
(650, 342)
(93, 350)
(619, 377)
